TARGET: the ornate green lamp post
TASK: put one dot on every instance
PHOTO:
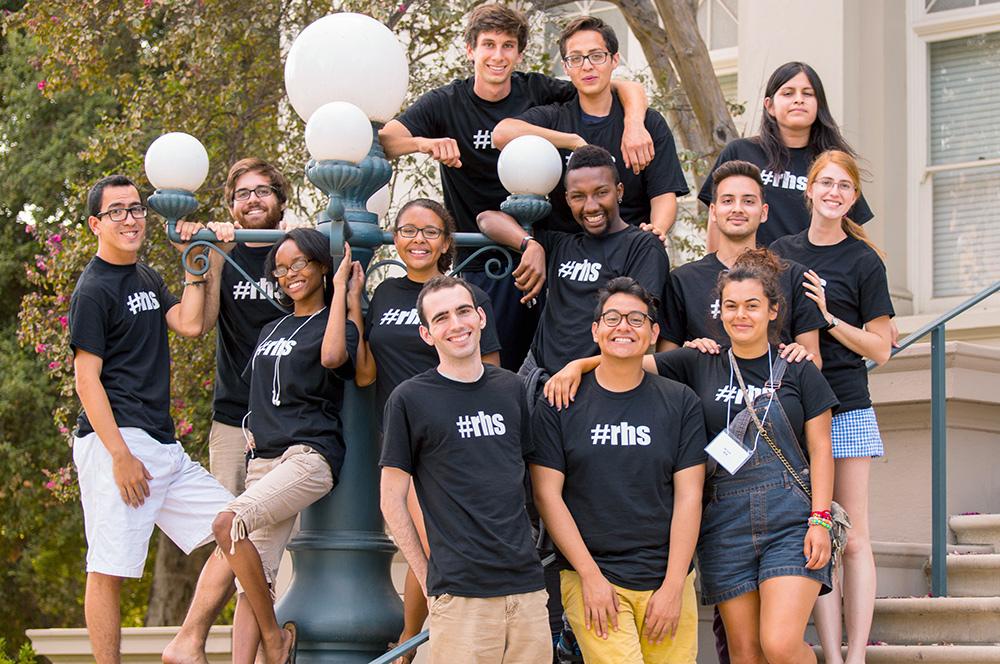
(345, 75)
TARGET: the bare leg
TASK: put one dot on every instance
(741, 616)
(785, 604)
(851, 491)
(101, 606)
(246, 635)
(829, 623)
(215, 587)
(245, 563)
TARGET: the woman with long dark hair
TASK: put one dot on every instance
(847, 280)
(390, 349)
(796, 125)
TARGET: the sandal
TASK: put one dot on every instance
(402, 659)
(293, 630)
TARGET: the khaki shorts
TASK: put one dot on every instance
(512, 629)
(628, 645)
(277, 490)
(227, 459)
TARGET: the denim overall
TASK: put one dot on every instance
(754, 523)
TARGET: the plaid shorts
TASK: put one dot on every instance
(855, 434)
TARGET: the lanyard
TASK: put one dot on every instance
(747, 402)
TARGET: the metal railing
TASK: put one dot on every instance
(939, 435)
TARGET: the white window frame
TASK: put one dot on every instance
(924, 29)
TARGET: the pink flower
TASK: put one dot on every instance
(40, 264)
(42, 83)
(40, 348)
(55, 364)
(50, 485)
(184, 428)
(55, 239)
(147, 3)
(29, 229)
(64, 321)
(63, 430)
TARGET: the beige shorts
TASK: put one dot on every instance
(227, 459)
(277, 490)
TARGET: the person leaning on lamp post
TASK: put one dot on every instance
(625, 550)
(460, 431)
(133, 472)
(454, 124)
(589, 51)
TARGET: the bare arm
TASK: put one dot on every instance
(511, 128)
(873, 340)
(663, 212)
(397, 141)
(130, 474)
(213, 291)
(817, 430)
(600, 601)
(492, 358)
(333, 352)
(637, 145)
(529, 276)
(810, 341)
(186, 318)
(395, 484)
(364, 362)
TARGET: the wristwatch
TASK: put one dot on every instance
(524, 242)
(832, 323)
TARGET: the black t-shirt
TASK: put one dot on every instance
(857, 291)
(118, 312)
(391, 330)
(784, 193)
(287, 370)
(464, 444)
(243, 311)
(619, 452)
(693, 311)
(456, 111)
(662, 176)
(578, 265)
(803, 393)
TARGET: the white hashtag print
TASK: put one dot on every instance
(134, 303)
(482, 139)
(566, 269)
(766, 176)
(727, 393)
(242, 290)
(715, 308)
(391, 316)
(600, 434)
(464, 425)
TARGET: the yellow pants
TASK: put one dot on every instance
(628, 645)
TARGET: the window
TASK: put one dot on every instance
(718, 21)
(964, 158)
(931, 6)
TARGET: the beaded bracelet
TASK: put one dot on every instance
(815, 520)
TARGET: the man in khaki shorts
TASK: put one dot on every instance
(256, 194)
(461, 430)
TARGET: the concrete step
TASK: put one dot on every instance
(972, 575)
(921, 620)
(976, 529)
(931, 654)
(901, 566)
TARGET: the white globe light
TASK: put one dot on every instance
(378, 204)
(338, 130)
(529, 165)
(177, 161)
(347, 57)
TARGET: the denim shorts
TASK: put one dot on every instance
(752, 529)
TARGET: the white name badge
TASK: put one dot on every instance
(728, 452)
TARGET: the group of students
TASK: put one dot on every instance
(637, 462)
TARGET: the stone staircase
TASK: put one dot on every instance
(964, 627)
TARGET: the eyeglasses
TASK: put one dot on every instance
(263, 191)
(118, 214)
(297, 266)
(844, 186)
(612, 317)
(596, 58)
(410, 231)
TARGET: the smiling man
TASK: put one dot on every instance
(625, 550)
(579, 264)
(454, 125)
(133, 473)
(461, 431)
(589, 50)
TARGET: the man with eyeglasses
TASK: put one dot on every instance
(133, 473)
(617, 477)
(454, 124)
(589, 50)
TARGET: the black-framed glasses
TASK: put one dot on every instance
(612, 317)
(263, 191)
(297, 266)
(118, 214)
(596, 58)
(410, 231)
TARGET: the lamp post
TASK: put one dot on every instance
(345, 75)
